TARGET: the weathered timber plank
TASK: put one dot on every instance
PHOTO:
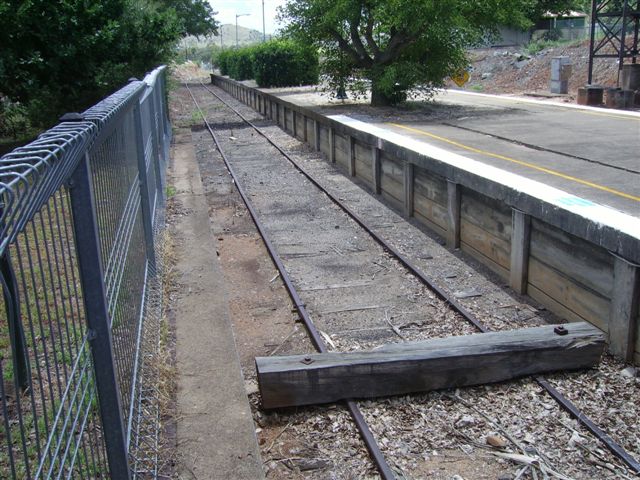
(351, 156)
(363, 171)
(376, 169)
(435, 213)
(429, 365)
(520, 239)
(316, 135)
(490, 246)
(454, 200)
(637, 354)
(427, 222)
(587, 304)
(482, 258)
(489, 214)
(432, 187)
(408, 189)
(586, 263)
(624, 309)
(392, 180)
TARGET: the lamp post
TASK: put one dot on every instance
(264, 34)
(239, 15)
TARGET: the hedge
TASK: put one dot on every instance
(284, 63)
(277, 63)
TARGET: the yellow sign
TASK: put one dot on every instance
(461, 78)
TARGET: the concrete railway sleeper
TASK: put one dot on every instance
(457, 306)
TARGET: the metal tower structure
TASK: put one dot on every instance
(614, 32)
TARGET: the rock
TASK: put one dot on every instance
(465, 421)
(457, 477)
(575, 439)
(251, 387)
(486, 75)
(629, 372)
(496, 441)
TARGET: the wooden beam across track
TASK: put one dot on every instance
(402, 368)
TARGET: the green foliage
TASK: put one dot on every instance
(14, 120)
(284, 63)
(221, 60)
(65, 55)
(195, 16)
(240, 63)
(394, 46)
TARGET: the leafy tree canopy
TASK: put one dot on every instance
(65, 55)
(196, 16)
(392, 46)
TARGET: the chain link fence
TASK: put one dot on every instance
(81, 209)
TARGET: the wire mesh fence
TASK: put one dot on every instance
(80, 210)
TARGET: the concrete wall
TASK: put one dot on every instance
(578, 268)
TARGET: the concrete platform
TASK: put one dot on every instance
(593, 153)
(216, 434)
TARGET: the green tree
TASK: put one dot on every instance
(64, 55)
(196, 16)
(393, 46)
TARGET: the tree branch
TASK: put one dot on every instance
(368, 35)
(348, 49)
(398, 42)
(357, 42)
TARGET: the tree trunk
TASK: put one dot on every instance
(379, 98)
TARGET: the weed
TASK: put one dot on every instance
(170, 191)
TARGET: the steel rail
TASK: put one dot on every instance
(564, 402)
(316, 338)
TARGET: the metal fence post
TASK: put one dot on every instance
(147, 218)
(155, 139)
(98, 320)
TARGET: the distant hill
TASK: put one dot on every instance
(246, 36)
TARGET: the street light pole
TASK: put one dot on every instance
(264, 34)
(239, 15)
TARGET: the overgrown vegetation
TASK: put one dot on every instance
(66, 55)
(536, 46)
(277, 63)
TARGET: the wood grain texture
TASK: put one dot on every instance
(376, 169)
(587, 264)
(488, 214)
(392, 180)
(398, 369)
(489, 245)
(482, 258)
(430, 186)
(586, 304)
(408, 189)
(454, 200)
(623, 318)
(520, 240)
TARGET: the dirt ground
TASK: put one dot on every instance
(512, 70)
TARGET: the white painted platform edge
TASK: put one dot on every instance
(572, 106)
(600, 215)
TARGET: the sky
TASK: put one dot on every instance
(228, 9)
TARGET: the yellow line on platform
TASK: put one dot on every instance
(519, 162)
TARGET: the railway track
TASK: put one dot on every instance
(394, 260)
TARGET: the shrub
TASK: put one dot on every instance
(284, 63)
(241, 64)
(221, 60)
(14, 120)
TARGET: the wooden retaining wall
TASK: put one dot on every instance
(578, 270)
